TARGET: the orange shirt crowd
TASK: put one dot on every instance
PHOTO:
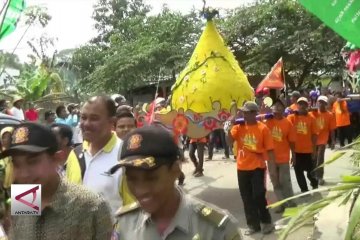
(253, 141)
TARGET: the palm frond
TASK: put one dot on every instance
(350, 145)
(354, 220)
(350, 179)
(305, 214)
(339, 187)
(342, 193)
(333, 158)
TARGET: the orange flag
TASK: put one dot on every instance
(274, 79)
(149, 117)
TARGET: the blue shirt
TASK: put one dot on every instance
(71, 120)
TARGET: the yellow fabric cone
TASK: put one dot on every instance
(212, 74)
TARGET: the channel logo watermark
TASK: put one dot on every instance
(26, 199)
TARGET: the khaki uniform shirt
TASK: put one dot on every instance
(194, 220)
(75, 213)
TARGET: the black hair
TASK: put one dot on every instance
(65, 132)
(107, 101)
(59, 109)
(124, 108)
(70, 108)
(125, 113)
(47, 114)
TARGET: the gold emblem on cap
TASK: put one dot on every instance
(134, 142)
(20, 135)
(206, 211)
(145, 162)
(149, 162)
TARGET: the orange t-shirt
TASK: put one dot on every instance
(282, 134)
(198, 140)
(325, 122)
(342, 118)
(294, 107)
(252, 142)
(303, 129)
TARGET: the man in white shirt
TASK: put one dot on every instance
(17, 110)
(74, 117)
(99, 151)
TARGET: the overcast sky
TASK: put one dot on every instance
(72, 25)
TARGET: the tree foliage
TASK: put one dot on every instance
(39, 77)
(133, 47)
(36, 15)
(118, 16)
(36, 82)
(9, 60)
(262, 33)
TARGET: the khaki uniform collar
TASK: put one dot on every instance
(109, 145)
(181, 220)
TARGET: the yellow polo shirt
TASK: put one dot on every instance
(112, 187)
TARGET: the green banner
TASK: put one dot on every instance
(12, 13)
(343, 16)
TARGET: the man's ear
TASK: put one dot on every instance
(113, 121)
(176, 169)
(65, 141)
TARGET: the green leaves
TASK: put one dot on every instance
(261, 34)
(354, 221)
(35, 82)
(133, 47)
(334, 157)
(350, 179)
(304, 214)
(10, 60)
(37, 15)
(341, 193)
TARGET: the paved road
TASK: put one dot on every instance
(219, 186)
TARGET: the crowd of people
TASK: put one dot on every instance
(97, 168)
(288, 136)
(86, 188)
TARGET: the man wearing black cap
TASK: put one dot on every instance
(254, 141)
(67, 210)
(151, 160)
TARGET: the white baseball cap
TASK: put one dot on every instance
(323, 98)
(303, 99)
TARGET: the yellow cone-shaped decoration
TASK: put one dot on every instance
(212, 74)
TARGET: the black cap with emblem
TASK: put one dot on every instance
(147, 148)
(31, 138)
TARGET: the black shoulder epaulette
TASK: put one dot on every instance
(215, 217)
(126, 209)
